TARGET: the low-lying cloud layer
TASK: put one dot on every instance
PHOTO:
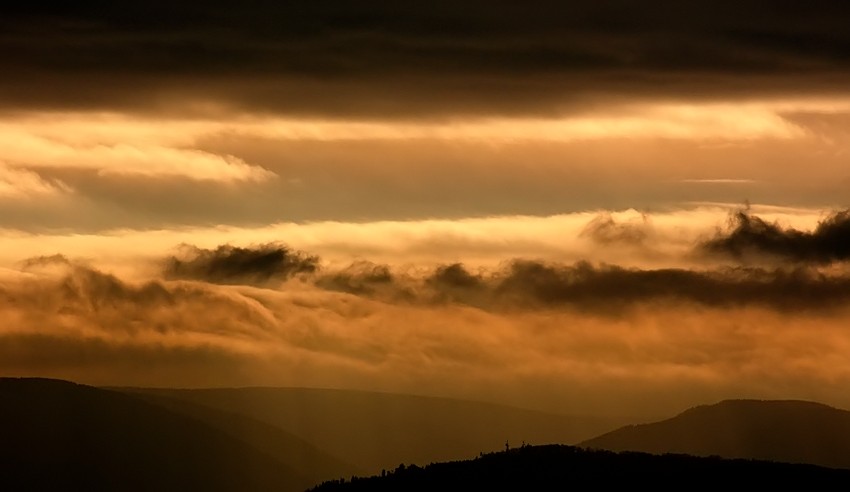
(563, 336)
(63, 319)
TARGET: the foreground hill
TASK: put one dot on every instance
(379, 430)
(557, 467)
(58, 435)
(790, 431)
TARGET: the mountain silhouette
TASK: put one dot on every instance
(283, 446)
(559, 467)
(57, 435)
(380, 430)
(783, 430)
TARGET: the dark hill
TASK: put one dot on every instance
(56, 435)
(789, 431)
(565, 468)
(380, 430)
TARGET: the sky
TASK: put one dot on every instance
(594, 207)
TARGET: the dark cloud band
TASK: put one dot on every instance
(368, 58)
(528, 284)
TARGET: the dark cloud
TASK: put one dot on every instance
(361, 277)
(378, 57)
(751, 236)
(455, 283)
(610, 287)
(44, 261)
(519, 283)
(531, 285)
(234, 265)
(604, 229)
(454, 276)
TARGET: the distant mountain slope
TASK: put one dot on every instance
(56, 435)
(789, 431)
(566, 468)
(379, 430)
(287, 448)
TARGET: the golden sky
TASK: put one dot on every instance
(576, 208)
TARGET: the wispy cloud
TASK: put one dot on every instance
(91, 145)
(732, 181)
(26, 184)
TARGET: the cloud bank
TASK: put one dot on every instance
(64, 319)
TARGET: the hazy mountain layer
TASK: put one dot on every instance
(789, 431)
(378, 430)
(311, 462)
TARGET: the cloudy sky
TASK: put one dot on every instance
(600, 206)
